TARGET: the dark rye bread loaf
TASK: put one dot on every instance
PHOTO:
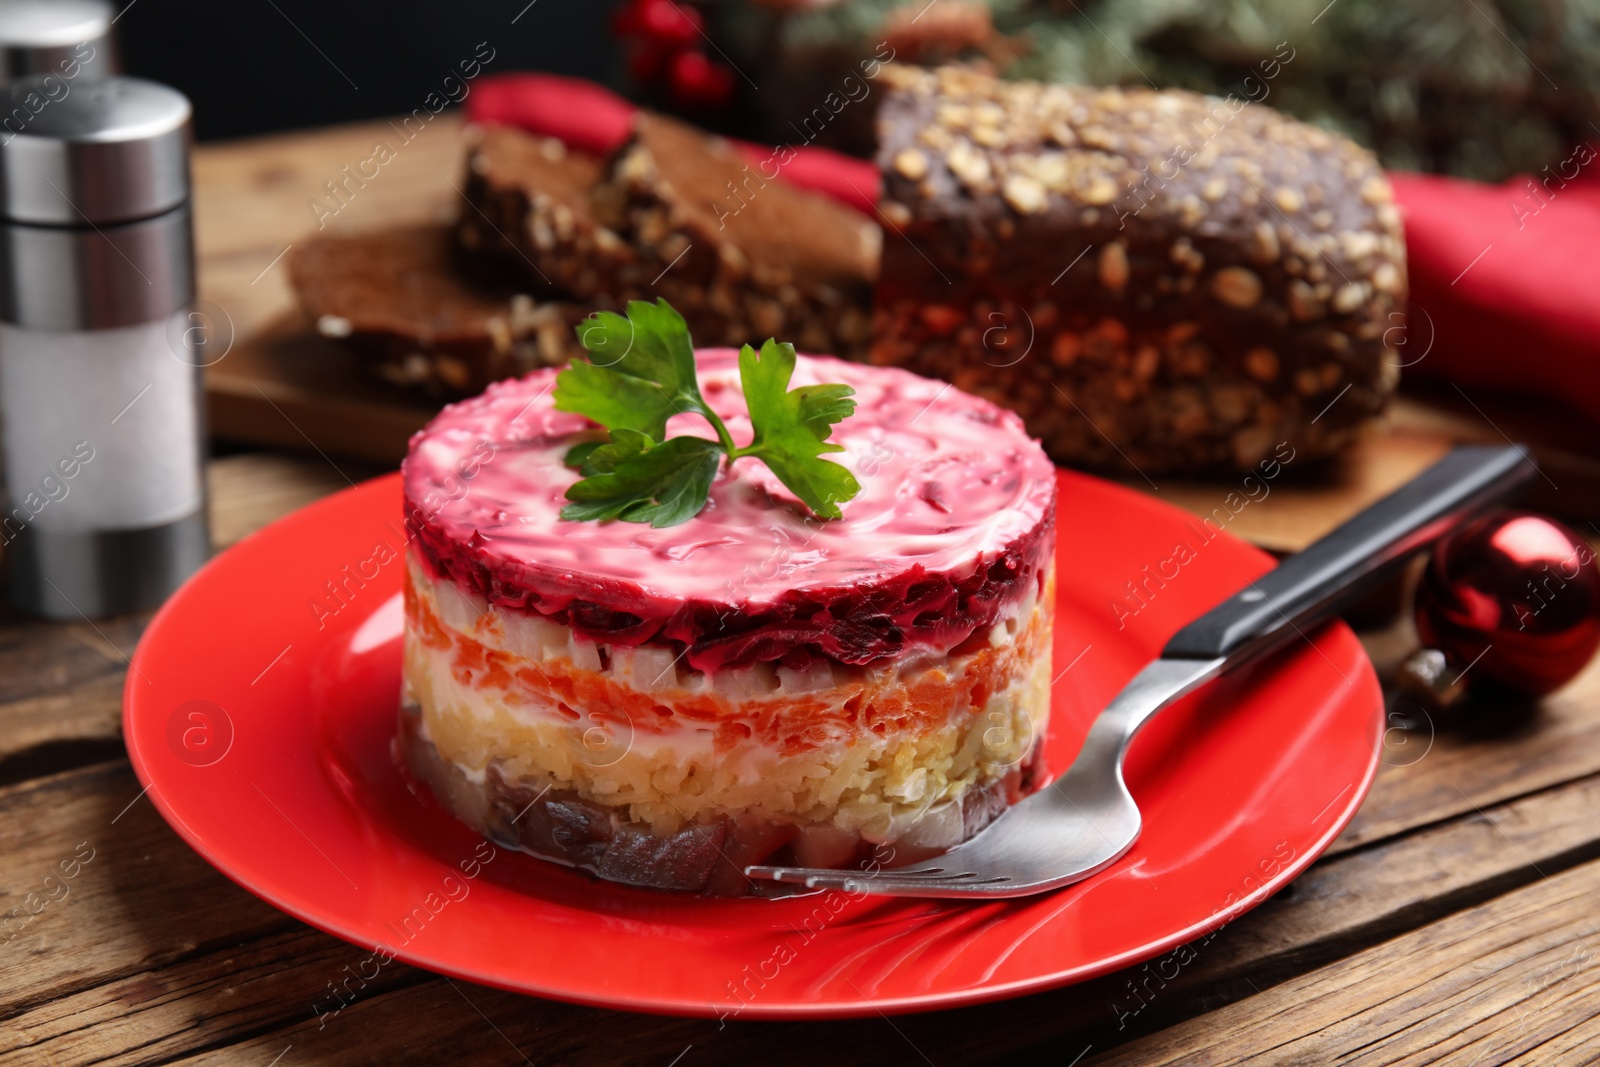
(678, 214)
(1152, 279)
(402, 298)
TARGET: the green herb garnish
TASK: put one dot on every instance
(640, 373)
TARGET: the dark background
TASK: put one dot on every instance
(253, 66)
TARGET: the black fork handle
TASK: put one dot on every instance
(1311, 585)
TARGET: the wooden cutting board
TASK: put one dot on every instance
(282, 385)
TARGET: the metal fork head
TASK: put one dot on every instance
(1061, 834)
(1075, 827)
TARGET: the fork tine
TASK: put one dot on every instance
(929, 887)
(801, 874)
(933, 881)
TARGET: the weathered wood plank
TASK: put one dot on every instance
(39, 659)
(61, 692)
(1487, 985)
(1576, 1045)
(61, 683)
(250, 491)
(96, 887)
(1488, 758)
(262, 973)
(72, 726)
(225, 995)
(286, 387)
(457, 1022)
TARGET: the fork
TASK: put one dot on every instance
(1086, 820)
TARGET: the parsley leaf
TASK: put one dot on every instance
(640, 373)
(792, 428)
(640, 481)
(651, 343)
(614, 400)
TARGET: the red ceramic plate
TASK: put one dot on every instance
(261, 710)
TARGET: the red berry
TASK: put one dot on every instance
(696, 82)
(670, 23)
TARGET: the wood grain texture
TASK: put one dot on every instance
(61, 692)
(248, 492)
(61, 683)
(1480, 760)
(212, 999)
(186, 978)
(1493, 984)
(140, 901)
(287, 387)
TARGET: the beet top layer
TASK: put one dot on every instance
(954, 522)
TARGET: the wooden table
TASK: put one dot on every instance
(1454, 921)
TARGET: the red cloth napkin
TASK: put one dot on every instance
(588, 117)
(1505, 281)
(1506, 291)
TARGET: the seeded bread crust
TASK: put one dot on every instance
(403, 299)
(678, 214)
(529, 211)
(1156, 280)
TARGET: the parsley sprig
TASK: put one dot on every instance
(640, 373)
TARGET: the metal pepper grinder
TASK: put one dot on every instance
(100, 402)
(72, 39)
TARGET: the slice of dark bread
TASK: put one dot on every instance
(679, 214)
(403, 298)
(529, 210)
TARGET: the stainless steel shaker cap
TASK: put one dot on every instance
(76, 153)
(70, 37)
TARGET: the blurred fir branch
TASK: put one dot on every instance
(1476, 88)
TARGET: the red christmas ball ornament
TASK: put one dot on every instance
(1512, 597)
(696, 82)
